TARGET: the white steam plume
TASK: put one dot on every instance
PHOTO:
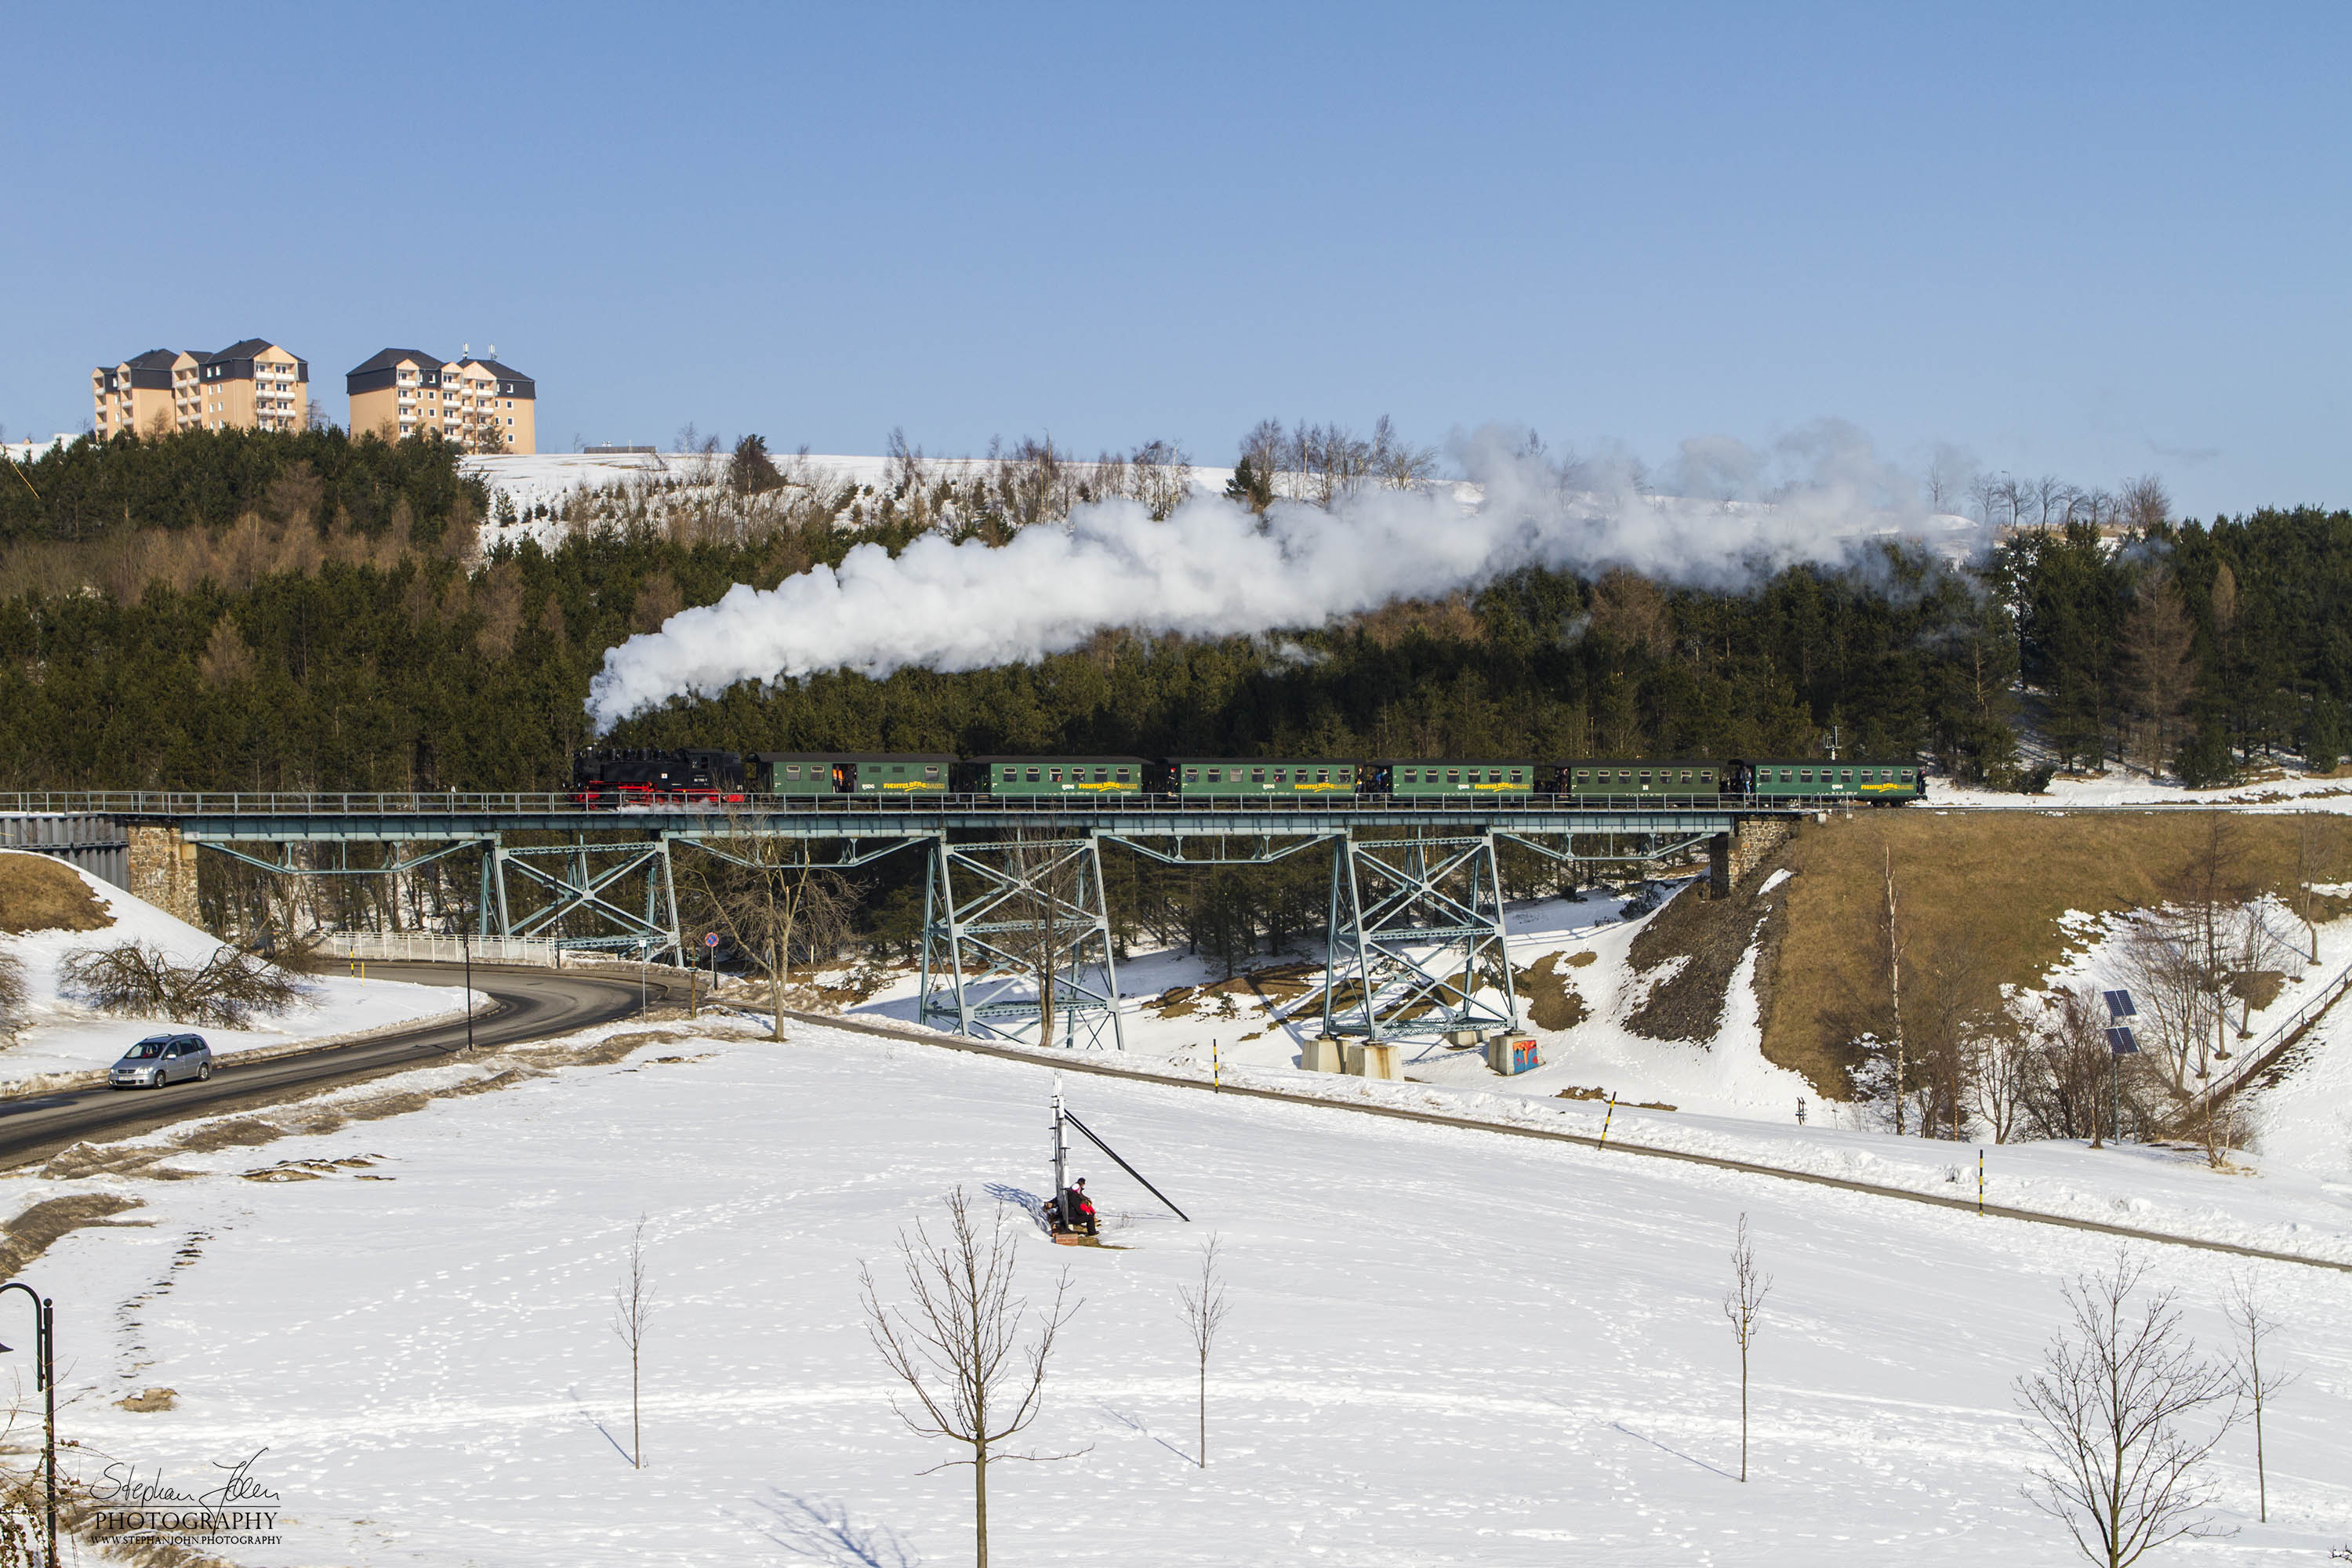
(1212, 569)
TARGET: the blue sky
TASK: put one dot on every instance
(2094, 240)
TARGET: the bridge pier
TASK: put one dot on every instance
(1752, 840)
(1415, 935)
(162, 866)
(1017, 942)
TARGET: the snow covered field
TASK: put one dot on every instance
(65, 1037)
(1445, 1346)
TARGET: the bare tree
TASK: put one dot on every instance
(2071, 1074)
(768, 897)
(2001, 1079)
(2310, 866)
(2159, 672)
(1204, 1314)
(14, 993)
(2110, 1409)
(1748, 1288)
(138, 979)
(2146, 504)
(2255, 1324)
(633, 1314)
(1895, 982)
(977, 1379)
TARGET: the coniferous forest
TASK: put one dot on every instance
(246, 611)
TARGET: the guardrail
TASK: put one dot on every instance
(174, 804)
(2260, 1056)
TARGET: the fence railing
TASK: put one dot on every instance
(405, 947)
(2258, 1057)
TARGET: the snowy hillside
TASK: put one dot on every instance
(1445, 1346)
(65, 1037)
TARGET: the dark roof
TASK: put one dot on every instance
(506, 372)
(1454, 763)
(853, 756)
(153, 359)
(1029, 761)
(1266, 762)
(244, 348)
(387, 358)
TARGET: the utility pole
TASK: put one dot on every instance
(1061, 1155)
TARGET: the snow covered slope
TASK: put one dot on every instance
(1445, 1346)
(66, 1038)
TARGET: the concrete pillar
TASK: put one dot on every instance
(164, 870)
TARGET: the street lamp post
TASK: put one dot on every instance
(45, 1377)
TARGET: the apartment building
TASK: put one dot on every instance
(479, 404)
(249, 385)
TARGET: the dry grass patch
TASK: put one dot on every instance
(39, 1227)
(1552, 1002)
(37, 893)
(1992, 884)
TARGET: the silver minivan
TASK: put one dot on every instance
(160, 1059)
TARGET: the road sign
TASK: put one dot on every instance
(2119, 1005)
(710, 939)
(2120, 1041)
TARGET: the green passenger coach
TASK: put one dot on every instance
(1786, 777)
(1594, 777)
(798, 774)
(1256, 777)
(1454, 778)
(1015, 776)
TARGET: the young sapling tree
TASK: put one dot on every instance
(2110, 1408)
(1750, 1286)
(961, 1348)
(1204, 1313)
(2254, 1325)
(633, 1312)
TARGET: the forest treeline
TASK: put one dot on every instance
(240, 610)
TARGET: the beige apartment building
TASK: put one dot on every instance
(479, 404)
(249, 385)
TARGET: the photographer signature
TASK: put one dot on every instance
(121, 1484)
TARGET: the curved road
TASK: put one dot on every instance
(525, 1005)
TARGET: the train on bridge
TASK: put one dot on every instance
(715, 778)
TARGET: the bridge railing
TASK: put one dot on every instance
(178, 804)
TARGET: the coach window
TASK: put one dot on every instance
(1846, 774)
(1804, 776)
(1257, 776)
(792, 770)
(1053, 776)
(1034, 775)
(931, 769)
(1192, 775)
(1122, 774)
(1322, 776)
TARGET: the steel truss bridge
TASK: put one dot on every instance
(1016, 935)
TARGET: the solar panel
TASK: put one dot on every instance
(2120, 1041)
(2119, 1005)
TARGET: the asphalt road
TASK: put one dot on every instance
(525, 1004)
